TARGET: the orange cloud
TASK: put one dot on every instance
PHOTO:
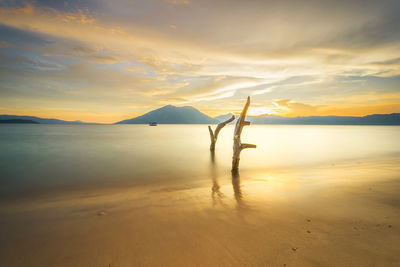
(80, 16)
(290, 108)
(177, 2)
(28, 9)
(380, 105)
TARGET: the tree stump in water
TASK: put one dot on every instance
(214, 135)
(237, 143)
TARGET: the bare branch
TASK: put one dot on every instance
(243, 146)
(211, 133)
(214, 136)
(222, 125)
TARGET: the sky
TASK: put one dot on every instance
(105, 61)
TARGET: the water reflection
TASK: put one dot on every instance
(216, 194)
(237, 190)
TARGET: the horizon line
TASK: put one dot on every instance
(77, 121)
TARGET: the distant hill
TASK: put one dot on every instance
(172, 115)
(18, 121)
(375, 119)
(37, 120)
(189, 115)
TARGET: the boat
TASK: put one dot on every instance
(153, 123)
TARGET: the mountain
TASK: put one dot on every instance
(18, 121)
(37, 120)
(189, 115)
(375, 119)
(172, 115)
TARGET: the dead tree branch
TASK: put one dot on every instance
(237, 143)
(214, 135)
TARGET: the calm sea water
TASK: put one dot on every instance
(38, 159)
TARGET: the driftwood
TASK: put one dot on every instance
(237, 144)
(214, 135)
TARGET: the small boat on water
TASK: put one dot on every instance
(153, 123)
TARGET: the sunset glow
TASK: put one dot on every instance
(104, 61)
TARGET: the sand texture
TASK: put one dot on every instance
(342, 215)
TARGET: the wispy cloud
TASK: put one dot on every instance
(292, 57)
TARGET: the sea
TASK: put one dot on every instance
(39, 160)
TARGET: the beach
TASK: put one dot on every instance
(230, 222)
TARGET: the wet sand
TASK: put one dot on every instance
(345, 214)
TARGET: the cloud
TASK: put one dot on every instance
(78, 16)
(5, 44)
(292, 108)
(146, 53)
(28, 9)
(394, 61)
(21, 63)
(355, 105)
(21, 38)
(104, 59)
(84, 50)
(136, 70)
(177, 2)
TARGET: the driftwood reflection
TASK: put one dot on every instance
(237, 190)
(216, 195)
